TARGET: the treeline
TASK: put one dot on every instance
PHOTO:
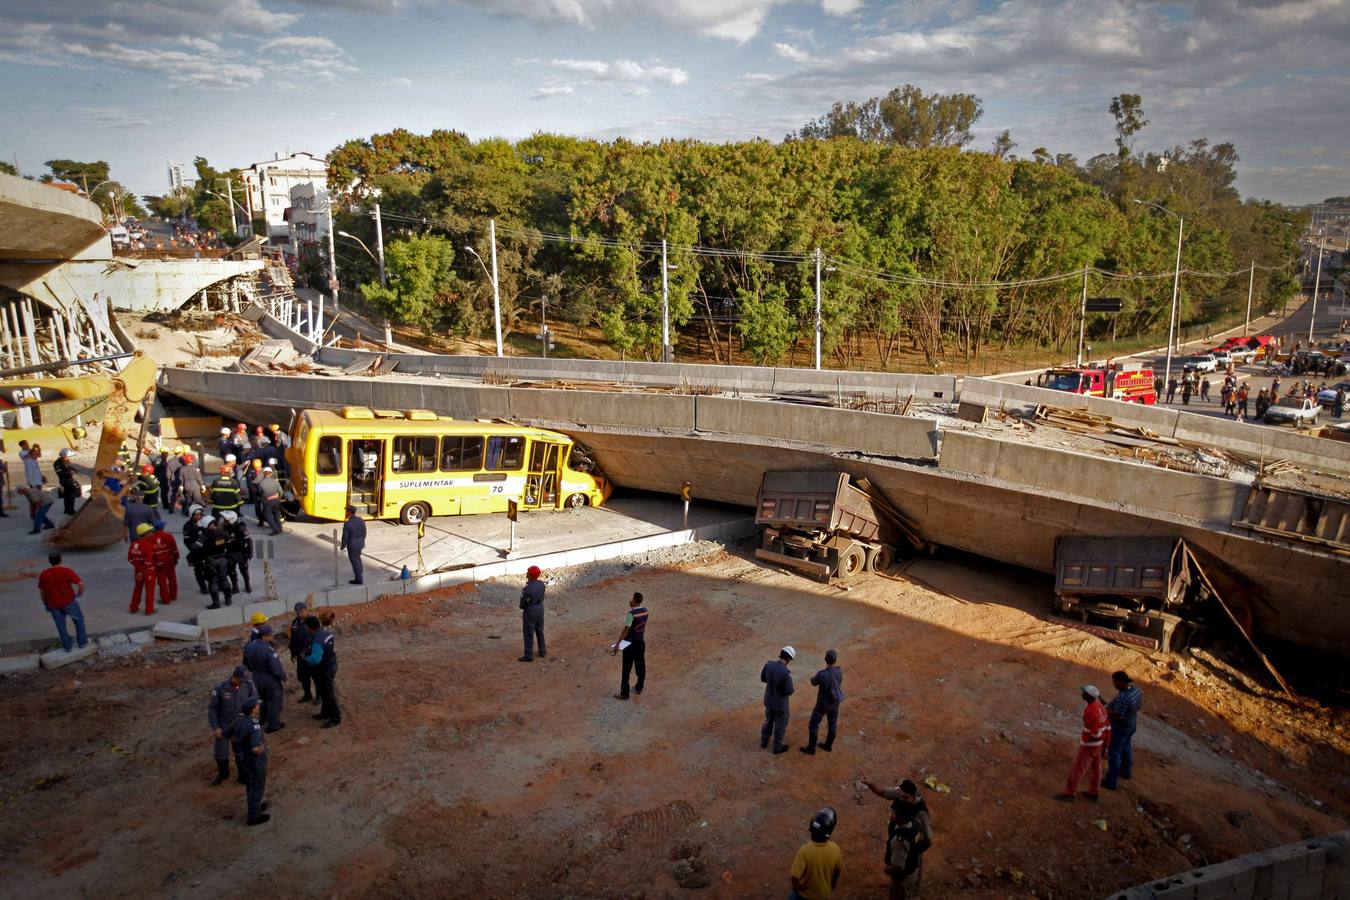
(967, 233)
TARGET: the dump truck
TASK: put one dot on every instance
(819, 523)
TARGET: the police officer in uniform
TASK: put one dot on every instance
(193, 532)
(299, 645)
(829, 684)
(221, 711)
(240, 550)
(322, 659)
(261, 659)
(532, 613)
(225, 491)
(354, 541)
(65, 475)
(635, 654)
(216, 561)
(251, 747)
(777, 688)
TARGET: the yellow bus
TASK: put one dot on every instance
(410, 465)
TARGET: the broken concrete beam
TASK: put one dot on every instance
(116, 644)
(26, 663)
(178, 631)
(142, 638)
(55, 659)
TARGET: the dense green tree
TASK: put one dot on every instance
(905, 116)
(422, 286)
(9, 168)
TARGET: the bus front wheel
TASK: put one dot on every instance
(577, 501)
(414, 513)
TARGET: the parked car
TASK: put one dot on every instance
(1296, 412)
(1221, 358)
(1327, 397)
(1241, 354)
(1200, 363)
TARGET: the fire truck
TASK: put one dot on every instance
(1129, 385)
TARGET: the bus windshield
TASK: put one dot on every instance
(1064, 381)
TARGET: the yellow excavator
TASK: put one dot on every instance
(100, 521)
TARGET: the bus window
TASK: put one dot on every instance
(461, 454)
(504, 454)
(414, 454)
(330, 455)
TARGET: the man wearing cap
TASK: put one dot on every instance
(1091, 746)
(226, 446)
(221, 710)
(322, 660)
(909, 834)
(777, 688)
(354, 541)
(819, 862)
(532, 613)
(269, 492)
(141, 555)
(256, 621)
(633, 641)
(1123, 712)
(260, 657)
(65, 477)
(165, 557)
(829, 684)
(300, 640)
(190, 480)
(251, 747)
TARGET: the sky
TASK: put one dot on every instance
(141, 83)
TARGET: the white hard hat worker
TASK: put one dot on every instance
(789, 652)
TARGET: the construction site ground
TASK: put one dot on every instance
(459, 772)
(302, 560)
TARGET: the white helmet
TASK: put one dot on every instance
(789, 651)
(206, 520)
(196, 508)
(224, 431)
(230, 516)
(230, 457)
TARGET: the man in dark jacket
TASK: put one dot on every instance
(300, 639)
(221, 711)
(829, 684)
(532, 613)
(777, 688)
(65, 476)
(251, 747)
(268, 674)
(354, 541)
(322, 659)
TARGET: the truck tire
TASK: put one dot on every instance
(880, 560)
(852, 562)
(414, 513)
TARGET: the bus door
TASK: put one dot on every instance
(543, 476)
(365, 480)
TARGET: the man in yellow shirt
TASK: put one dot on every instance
(816, 868)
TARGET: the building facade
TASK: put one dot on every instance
(308, 220)
(268, 184)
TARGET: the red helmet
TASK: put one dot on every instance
(241, 427)
(147, 469)
(189, 457)
(533, 572)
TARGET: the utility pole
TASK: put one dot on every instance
(1082, 317)
(332, 253)
(665, 307)
(234, 218)
(817, 309)
(1176, 289)
(1317, 285)
(1251, 283)
(543, 323)
(379, 243)
(496, 291)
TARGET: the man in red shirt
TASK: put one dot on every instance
(59, 586)
(1092, 746)
(141, 555)
(165, 558)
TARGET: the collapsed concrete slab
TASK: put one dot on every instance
(55, 659)
(26, 663)
(178, 631)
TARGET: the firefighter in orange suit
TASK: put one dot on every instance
(141, 555)
(165, 558)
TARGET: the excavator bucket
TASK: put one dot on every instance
(99, 522)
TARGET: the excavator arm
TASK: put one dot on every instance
(100, 521)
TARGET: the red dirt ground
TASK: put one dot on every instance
(458, 772)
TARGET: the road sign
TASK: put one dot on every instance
(1102, 304)
(513, 510)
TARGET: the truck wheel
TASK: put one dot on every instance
(851, 562)
(577, 501)
(414, 513)
(881, 560)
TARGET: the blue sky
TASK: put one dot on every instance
(143, 82)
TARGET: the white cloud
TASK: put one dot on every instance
(757, 77)
(794, 54)
(548, 92)
(621, 70)
(841, 7)
(113, 117)
(733, 20)
(307, 45)
(397, 82)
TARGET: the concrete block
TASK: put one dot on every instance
(269, 608)
(347, 596)
(459, 576)
(580, 557)
(1176, 890)
(489, 571)
(177, 631)
(55, 659)
(1291, 865)
(1317, 858)
(422, 584)
(225, 617)
(378, 589)
(906, 437)
(1306, 886)
(26, 663)
(143, 638)
(1219, 887)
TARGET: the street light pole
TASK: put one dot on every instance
(1317, 285)
(665, 306)
(496, 287)
(332, 253)
(817, 309)
(1251, 283)
(379, 242)
(1082, 318)
(1176, 284)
